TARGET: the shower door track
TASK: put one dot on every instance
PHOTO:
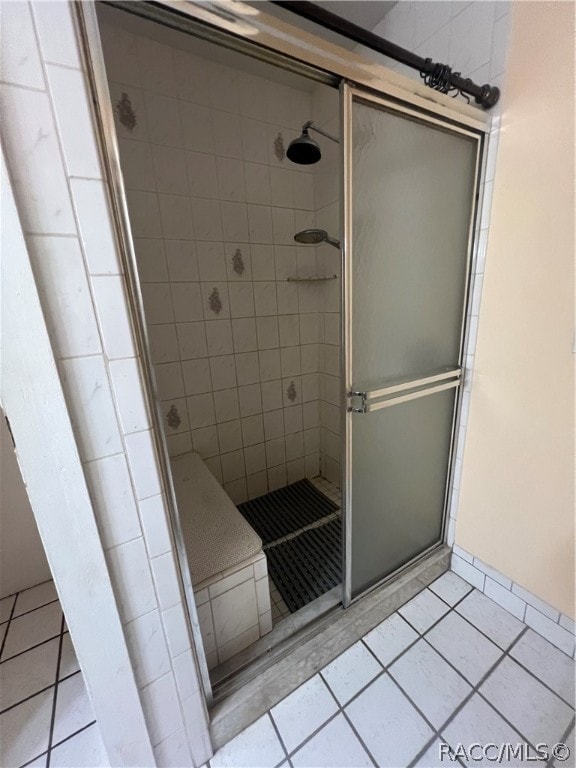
(249, 31)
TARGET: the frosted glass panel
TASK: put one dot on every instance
(399, 468)
(412, 202)
(412, 189)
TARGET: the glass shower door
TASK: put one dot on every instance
(410, 189)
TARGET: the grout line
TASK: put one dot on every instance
(475, 688)
(40, 583)
(42, 754)
(71, 736)
(342, 711)
(31, 648)
(8, 627)
(280, 739)
(26, 613)
(55, 699)
(27, 698)
(563, 740)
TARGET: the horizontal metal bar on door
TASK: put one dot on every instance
(368, 407)
(409, 384)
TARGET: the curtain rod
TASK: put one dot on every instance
(437, 76)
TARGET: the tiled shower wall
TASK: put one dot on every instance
(214, 205)
(325, 106)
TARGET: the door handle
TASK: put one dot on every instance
(366, 401)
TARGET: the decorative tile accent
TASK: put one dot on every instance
(238, 262)
(291, 392)
(279, 150)
(215, 302)
(125, 112)
(173, 418)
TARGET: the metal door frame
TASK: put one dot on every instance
(397, 393)
(233, 24)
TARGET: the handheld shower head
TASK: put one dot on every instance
(315, 237)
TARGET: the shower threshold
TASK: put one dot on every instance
(282, 632)
(246, 694)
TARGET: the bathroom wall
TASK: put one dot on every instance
(214, 205)
(518, 477)
(470, 37)
(60, 189)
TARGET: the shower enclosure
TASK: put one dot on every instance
(302, 302)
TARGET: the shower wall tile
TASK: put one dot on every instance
(215, 205)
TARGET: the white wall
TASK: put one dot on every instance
(517, 499)
(471, 37)
(22, 560)
(63, 207)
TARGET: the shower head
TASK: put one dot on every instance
(315, 237)
(304, 150)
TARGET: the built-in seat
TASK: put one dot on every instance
(227, 564)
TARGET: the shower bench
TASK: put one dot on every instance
(227, 565)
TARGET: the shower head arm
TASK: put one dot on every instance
(310, 126)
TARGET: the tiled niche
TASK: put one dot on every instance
(238, 348)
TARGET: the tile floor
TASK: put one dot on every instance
(279, 608)
(45, 714)
(451, 667)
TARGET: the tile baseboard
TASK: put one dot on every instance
(547, 621)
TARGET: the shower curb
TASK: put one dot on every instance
(253, 691)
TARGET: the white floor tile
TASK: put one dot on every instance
(25, 730)
(390, 638)
(499, 625)
(432, 758)
(84, 750)
(550, 665)
(423, 610)
(303, 711)
(28, 673)
(537, 713)
(569, 742)
(31, 629)
(478, 723)
(430, 682)
(350, 672)
(35, 597)
(258, 746)
(40, 762)
(73, 708)
(335, 746)
(6, 607)
(388, 724)
(68, 661)
(463, 646)
(173, 752)
(450, 587)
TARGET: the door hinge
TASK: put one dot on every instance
(357, 402)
